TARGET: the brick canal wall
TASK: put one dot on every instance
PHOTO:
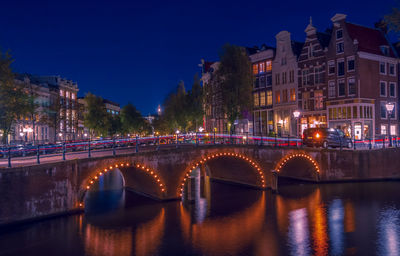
(49, 189)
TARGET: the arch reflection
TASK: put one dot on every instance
(228, 234)
(389, 232)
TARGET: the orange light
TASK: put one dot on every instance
(80, 204)
(87, 187)
(317, 135)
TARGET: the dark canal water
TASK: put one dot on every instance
(328, 219)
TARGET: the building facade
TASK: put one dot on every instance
(362, 77)
(285, 84)
(312, 79)
(263, 117)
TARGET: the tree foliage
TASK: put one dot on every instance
(235, 79)
(96, 116)
(133, 122)
(182, 110)
(393, 19)
(14, 102)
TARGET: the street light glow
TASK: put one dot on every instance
(296, 114)
(389, 107)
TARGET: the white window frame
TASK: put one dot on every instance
(344, 67)
(382, 73)
(337, 34)
(395, 130)
(348, 85)
(334, 88)
(330, 64)
(338, 48)
(347, 62)
(395, 92)
(380, 91)
(394, 69)
(338, 87)
(386, 129)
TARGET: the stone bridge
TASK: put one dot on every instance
(50, 189)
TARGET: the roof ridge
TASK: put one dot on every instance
(355, 24)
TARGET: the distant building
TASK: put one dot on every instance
(263, 116)
(285, 84)
(112, 107)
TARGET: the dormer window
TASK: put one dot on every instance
(339, 34)
(385, 50)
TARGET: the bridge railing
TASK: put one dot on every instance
(150, 143)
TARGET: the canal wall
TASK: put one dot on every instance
(37, 191)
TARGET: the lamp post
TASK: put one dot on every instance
(63, 146)
(389, 108)
(296, 115)
(176, 134)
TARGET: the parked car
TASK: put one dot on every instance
(326, 137)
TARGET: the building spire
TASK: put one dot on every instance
(311, 20)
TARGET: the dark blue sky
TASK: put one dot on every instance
(138, 51)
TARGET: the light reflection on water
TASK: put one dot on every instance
(329, 219)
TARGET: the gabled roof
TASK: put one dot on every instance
(324, 39)
(207, 65)
(369, 39)
(297, 48)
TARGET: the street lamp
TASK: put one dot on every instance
(389, 108)
(177, 132)
(296, 115)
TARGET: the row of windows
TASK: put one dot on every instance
(263, 81)
(340, 91)
(318, 100)
(285, 97)
(263, 99)
(284, 76)
(383, 89)
(341, 66)
(385, 68)
(68, 95)
(349, 112)
(313, 76)
(262, 67)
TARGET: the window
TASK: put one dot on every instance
(256, 99)
(277, 79)
(262, 67)
(393, 129)
(284, 78)
(339, 47)
(255, 69)
(350, 64)
(354, 111)
(331, 67)
(306, 99)
(256, 82)
(318, 98)
(269, 80)
(383, 89)
(310, 51)
(262, 99)
(331, 89)
(385, 50)
(339, 34)
(262, 81)
(392, 70)
(383, 110)
(383, 129)
(268, 66)
(291, 76)
(305, 76)
(352, 86)
(277, 96)
(392, 89)
(293, 94)
(382, 68)
(285, 95)
(341, 68)
(342, 90)
(269, 97)
(61, 93)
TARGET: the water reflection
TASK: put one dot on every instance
(298, 236)
(389, 232)
(224, 234)
(336, 230)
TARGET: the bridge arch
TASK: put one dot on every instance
(94, 177)
(207, 157)
(307, 168)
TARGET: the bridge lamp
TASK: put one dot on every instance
(60, 134)
(296, 115)
(177, 132)
(21, 134)
(389, 108)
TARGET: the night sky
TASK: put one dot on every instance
(138, 51)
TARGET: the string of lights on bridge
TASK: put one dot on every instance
(224, 154)
(144, 168)
(296, 155)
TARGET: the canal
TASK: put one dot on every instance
(308, 219)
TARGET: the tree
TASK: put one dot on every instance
(235, 80)
(32, 110)
(132, 120)
(13, 99)
(96, 116)
(114, 124)
(195, 103)
(393, 19)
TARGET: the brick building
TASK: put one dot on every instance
(362, 77)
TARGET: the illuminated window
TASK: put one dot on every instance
(393, 129)
(73, 96)
(61, 93)
(306, 99)
(255, 69)
(293, 94)
(383, 129)
(269, 65)
(262, 98)
(67, 94)
(277, 96)
(256, 100)
(269, 97)
(318, 98)
(262, 67)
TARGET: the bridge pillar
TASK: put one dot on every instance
(274, 181)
